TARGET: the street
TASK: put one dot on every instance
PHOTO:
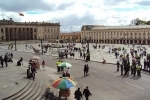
(103, 80)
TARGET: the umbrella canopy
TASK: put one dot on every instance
(35, 58)
(63, 83)
(65, 64)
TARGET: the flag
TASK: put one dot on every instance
(21, 14)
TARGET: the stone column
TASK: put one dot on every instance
(129, 41)
(146, 42)
(13, 34)
(137, 41)
(119, 41)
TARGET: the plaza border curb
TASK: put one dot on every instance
(67, 58)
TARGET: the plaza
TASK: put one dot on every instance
(104, 82)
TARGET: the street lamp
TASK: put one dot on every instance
(88, 51)
(15, 43)
(41, 45)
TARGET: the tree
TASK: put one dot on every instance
(138, 21)
(148, 22)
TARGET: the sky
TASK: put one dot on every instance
(73, 14)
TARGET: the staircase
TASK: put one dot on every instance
(33, 90)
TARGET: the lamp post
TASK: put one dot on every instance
(88, 51)
(71, 29)
(41, 45)
(15, 43)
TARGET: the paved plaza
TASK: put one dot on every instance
(104, 82)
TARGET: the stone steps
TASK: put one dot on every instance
(36, 90)
(31, 91)
(42, 90)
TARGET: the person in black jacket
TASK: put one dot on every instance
(78, 94)
(2, 61)
(118, 64)
(6, 60)
(86, 93)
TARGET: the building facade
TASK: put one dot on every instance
(10, 30)
(117, 34)
(71, 37)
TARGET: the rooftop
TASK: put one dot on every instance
(101, 27)
(70, 34)
(121, 27)
(11, 22)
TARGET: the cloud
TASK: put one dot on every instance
(24, 5)
(74, 21)
(75, 13)
(144, 3)
(32, 5)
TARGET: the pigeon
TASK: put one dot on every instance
(16, 83)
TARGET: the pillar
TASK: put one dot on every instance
(146, 42)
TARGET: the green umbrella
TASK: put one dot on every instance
(65, 64)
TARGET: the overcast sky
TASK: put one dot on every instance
(75, 13)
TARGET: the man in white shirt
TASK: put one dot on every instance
(68, 70)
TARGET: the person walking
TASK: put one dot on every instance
(43, 64)
(78, 94)
(86, 93)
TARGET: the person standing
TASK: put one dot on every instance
(121, 68)
(2, 61)
(118, 64)
(43, 64)
(6, 60)
(58, 68)
(85, 69)
(80, 54)
(11, 55)
(84, 55)
(33, 70)
(86, 93)
(139, 70)
(78, 94)
(145, 65)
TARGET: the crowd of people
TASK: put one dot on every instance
(135, 67)
(6, 58)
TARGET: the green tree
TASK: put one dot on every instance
(138, 21)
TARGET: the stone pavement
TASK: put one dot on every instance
(96, 54)
(13, 78)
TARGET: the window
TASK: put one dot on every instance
(34, 30)
(1, 30)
